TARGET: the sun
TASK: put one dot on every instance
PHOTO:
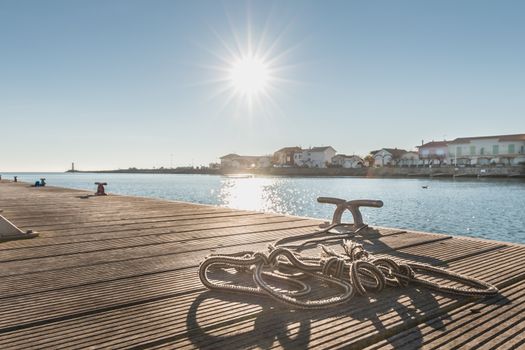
(249, 76)
(251, 69)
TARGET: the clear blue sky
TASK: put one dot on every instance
(114, 84)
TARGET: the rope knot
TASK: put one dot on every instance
(261, 257)
(396, 274)
(355, 251)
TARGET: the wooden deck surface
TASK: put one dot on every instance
(121, 272)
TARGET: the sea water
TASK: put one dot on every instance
(486, 208)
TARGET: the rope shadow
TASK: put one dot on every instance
(260, 335)
(370, 239)
(269, 324)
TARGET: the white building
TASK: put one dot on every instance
(316, 157)
(264, 162)
(387, 157)
(486, 150)
(235, 161)
(285, 156)
(409, 159)
(344, 161)
(435, 152)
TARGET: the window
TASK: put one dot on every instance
(495, 149)
(458, 151)
(472, 150)
(482, 151)
(511, 148)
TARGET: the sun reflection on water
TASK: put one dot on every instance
(265, 194)
(243, 193)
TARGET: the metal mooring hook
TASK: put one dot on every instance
(100, 188)
(353, 207)
(9, 231)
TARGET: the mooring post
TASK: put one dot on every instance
(9, 231)
(352, 206)
(100, 188)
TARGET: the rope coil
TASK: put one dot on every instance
(355, 271)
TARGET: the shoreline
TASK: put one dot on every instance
(438, 172)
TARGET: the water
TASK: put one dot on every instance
(492, 209)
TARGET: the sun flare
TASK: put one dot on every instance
(252, 70)
(249, 75)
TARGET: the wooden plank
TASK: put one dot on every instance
(122, 272)
(151, 239)
(32, 301)
(487, 324)
(134, 233)
(122, 254)
(62, 222)
(35, 281)
(149, 225)
(221, 312)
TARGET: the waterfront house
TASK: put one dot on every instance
(316, 157)
(488, 150)
(387, 157)
(235, 161)
(264, 161)
(344, 161)
(285, 156)
(434, 153)
(409, 159)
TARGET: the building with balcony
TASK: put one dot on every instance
(434, 153)
(487, 150)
